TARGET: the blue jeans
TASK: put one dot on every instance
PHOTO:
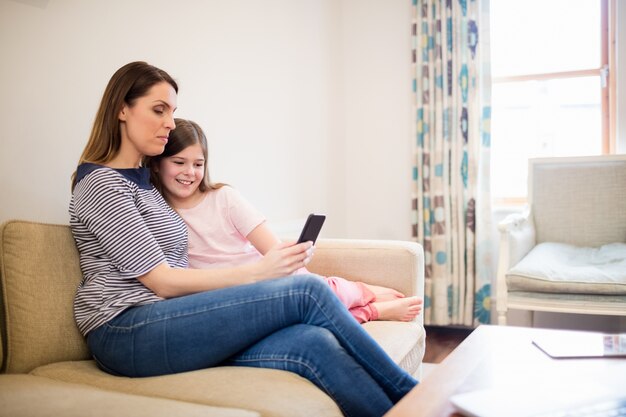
(295, 324)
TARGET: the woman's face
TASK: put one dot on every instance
(181, 175)
(146, 125)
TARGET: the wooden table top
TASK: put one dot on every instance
(497, 357)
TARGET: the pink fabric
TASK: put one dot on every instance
(218, 227)
(356, 297)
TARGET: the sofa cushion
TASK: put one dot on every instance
(404, 342)
(563, 268)
(267, 391)
(32, 396)
(395, 264)
(40, 272)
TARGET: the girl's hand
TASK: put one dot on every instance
(284, 259)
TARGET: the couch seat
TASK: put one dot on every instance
(269, 392)
(31, 396)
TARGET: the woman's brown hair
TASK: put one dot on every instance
(129, 83)
(185, 134)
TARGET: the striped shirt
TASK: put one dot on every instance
(123, 229)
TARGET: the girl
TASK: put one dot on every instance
(145, 313)
(225, 230)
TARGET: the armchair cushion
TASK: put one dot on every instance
(563, 268)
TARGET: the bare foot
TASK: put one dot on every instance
(400, 309)
(384, 293)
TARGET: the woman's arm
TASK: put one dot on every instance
(282, 260)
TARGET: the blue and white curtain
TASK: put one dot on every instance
(451, 173)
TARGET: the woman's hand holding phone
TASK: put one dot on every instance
(284, 259)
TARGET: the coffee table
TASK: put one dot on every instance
(504, 357)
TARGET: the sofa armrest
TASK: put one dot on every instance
(395, 264)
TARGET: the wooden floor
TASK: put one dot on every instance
(440, 341)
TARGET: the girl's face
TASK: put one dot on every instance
(181, 175)
(146, 125)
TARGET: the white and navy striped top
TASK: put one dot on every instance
(123, 229)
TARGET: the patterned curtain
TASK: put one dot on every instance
(451, 173)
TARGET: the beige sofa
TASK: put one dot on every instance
(46, 366)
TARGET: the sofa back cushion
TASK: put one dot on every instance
(39, 272)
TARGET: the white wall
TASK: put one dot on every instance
(620, 40)
(256, 75)
(282, 87)
(377, 83)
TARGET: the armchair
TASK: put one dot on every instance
(567, 252)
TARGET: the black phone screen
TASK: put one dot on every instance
(312, 228)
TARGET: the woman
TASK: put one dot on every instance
(144, 313)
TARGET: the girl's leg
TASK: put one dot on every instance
(400, 309)
(384, 293)
(365, 313)
(300, 347)
(355, 296)
(350, 293)
(203, 330)
(372, 302)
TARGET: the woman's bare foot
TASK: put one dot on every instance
(400, 309)
(384, 293)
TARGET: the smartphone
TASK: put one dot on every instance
(312, 228)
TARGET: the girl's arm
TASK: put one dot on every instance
(262, 238)
(282, 260)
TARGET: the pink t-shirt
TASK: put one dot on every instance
(218, 227)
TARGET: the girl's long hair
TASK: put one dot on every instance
(129, 83)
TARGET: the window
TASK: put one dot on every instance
(552, 90)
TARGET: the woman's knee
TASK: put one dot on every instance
(302, 343)
(311, 282)
(316, 337)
